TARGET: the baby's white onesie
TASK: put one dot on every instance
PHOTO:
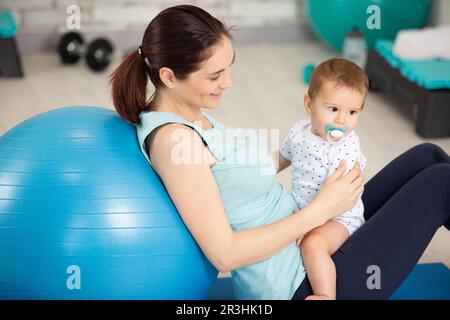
(314, 159)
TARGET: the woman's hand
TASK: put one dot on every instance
(340, 193)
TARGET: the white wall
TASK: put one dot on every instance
(50, 15)
(41, 22)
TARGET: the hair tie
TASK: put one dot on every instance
(141, 53)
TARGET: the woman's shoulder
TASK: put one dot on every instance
(152, 122)
(169, 135)
(160, 132)
(153, 119)
(166, 133)
(174, 143)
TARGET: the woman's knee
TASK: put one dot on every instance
(438, 174)
(438, 179)
(425, 147)
(430, 149)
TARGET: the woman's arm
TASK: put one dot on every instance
(194, 191)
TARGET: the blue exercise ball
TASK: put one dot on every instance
(84, 216)
(333, 19)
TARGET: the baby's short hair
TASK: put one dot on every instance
(341, 72)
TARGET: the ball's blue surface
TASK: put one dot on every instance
(84, 216)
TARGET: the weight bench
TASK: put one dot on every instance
(421, 88)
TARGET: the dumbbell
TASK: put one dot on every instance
(98, 53)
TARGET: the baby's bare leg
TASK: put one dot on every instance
(317, 248)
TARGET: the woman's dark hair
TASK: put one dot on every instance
(177, 38)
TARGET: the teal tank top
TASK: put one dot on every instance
(252, 198)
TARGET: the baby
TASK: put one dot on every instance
(315, 147)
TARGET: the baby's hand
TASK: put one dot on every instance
(299, 241)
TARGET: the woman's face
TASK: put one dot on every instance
(204, 88)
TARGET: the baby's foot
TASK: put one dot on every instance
(317, 297)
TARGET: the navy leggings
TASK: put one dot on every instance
(405, 203)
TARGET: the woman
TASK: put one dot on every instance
(242, 219)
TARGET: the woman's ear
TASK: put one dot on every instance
(167, 77)
(307, 103)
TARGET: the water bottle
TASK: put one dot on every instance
(355, 48)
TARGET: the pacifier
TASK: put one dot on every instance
(335, 132)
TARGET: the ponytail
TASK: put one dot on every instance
(129, 87)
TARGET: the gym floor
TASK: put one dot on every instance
(267, 94)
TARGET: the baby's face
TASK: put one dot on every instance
(338, 107)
